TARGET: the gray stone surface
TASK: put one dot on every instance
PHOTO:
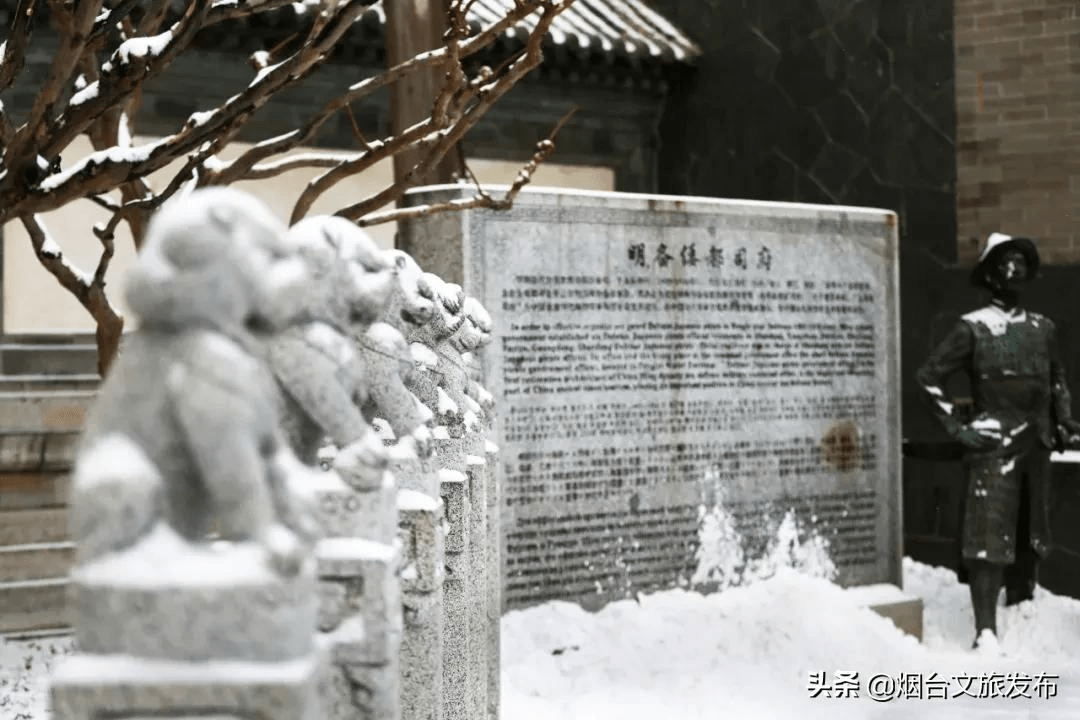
(323, 377)
(359, 570)
(422, 656)
(337, 507)
(187, 395)
(456, 670)
(422, 525)
(369, 572)
(375, 690)
(455, 496)
(387, 354)
(742, 345)
(90, 687)
(166, 598)
(423, 529)
(456, 644)
(347, 512)
(494, 579)
(194, 591)
(476, 587)
(362, 466)
(419, 473)
(389, 363)
(436, 335)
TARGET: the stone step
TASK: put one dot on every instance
(48, 358)
(27, 491)
(888, 600)
(35, 383)
(33, 452)
(44, 410)
(29, 605)
(34, 525)
(39, 429)
(36, 561)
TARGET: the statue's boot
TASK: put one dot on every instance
(984, 581)
(1021, 577)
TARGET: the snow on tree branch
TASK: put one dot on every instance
(481, 99)
(106, 51)
(52, 257)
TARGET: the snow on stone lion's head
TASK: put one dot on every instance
(216, 257)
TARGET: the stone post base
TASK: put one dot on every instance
(89, 687)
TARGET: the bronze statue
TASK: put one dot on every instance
(1022, 411)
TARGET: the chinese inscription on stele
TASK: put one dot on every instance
(659, 355)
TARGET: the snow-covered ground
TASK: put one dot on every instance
(24, 670)
(747, 652)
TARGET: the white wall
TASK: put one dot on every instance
(35, 302)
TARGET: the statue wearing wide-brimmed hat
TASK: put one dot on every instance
(1022, 411)
(998, 244)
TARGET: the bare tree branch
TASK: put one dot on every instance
(223, 10)
(108, 244)
(294, 162)
(455, 74)
(74, 27)
(134, 62)
(425, 133)
(240, 166)
(52, 258)
(137, 211)
(18, 40)
(101, 171)
(105, 202)
(355, 126)
(90, 292)
(287, 72)
(155, 15)
(106, 23)
(107, 54)
(482, 199)
(376, 151)
(487, 96)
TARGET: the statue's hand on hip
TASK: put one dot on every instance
(1069, 434)
(978, 439)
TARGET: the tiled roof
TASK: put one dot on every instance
(626, 28)
(619, 27)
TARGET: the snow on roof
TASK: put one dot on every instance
(608, 27)
(627, 27)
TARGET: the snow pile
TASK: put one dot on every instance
(747, 652)
(24, 673)
(680, 654)
(723, 560)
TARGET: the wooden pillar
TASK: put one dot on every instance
(413, 27)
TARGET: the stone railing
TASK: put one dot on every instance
(429, 597)
(359, 575)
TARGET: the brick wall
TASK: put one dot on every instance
(1018, 123)
(826, 102)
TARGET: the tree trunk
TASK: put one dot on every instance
(413, 27)
(110, 328)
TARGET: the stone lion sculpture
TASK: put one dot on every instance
(475, 334)
(185, 429)
(386, 354)
(325, 381)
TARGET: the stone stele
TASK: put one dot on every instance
(660, 355)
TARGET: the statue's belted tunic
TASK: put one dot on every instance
(1018, 389)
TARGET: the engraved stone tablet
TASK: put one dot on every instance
(658, 355)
